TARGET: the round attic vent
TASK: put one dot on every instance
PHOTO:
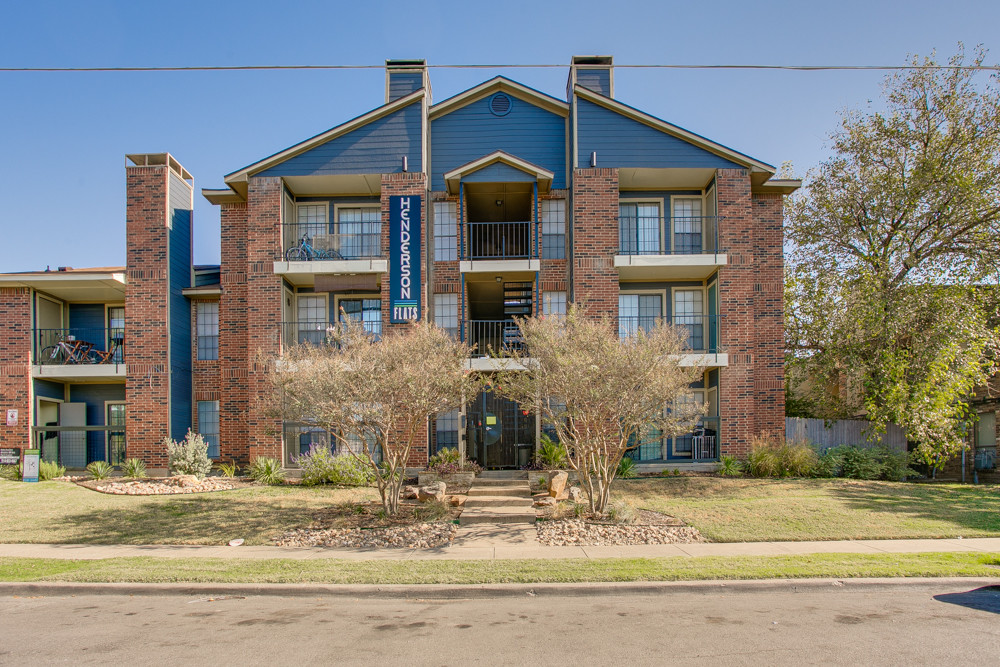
(500, 105)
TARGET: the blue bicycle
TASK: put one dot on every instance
(305, 252)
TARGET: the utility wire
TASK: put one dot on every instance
(251, 68)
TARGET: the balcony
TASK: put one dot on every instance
(317, 333)
(701, 445)
(651, 247)
(492, 341)
(701, 333)
(500, 246)
(78, 353)
(309, 249)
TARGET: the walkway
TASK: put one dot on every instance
(494, 542)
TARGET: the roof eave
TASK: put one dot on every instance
(498, 84)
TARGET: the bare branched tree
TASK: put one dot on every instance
(375, 398)
(602, 394)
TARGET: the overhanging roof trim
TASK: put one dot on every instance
(670, 128)
(544, 175)
(782, 186)
(499, 84)
(340, 130)
(222, 196)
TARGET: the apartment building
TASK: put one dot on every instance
(496, 203)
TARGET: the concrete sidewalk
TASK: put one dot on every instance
(507, 542)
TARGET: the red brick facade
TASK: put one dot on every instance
(595, 240)
(15, 370)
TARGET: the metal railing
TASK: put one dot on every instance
(700, 445)
(487, 337)
(317, 333)
(701, 331)
(79, 345)
(303, 242)
(76, 446)
(500, 240)
(653, 235)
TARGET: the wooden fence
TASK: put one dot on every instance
(825, 434)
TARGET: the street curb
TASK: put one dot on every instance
(481, 591)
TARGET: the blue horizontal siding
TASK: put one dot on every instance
(375, 148)
(180, 313)
(597, 80)
(528, 132)
(623, 142)
(402, 84)
(499, 172)
(49, 389)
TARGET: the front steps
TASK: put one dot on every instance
(496, 499)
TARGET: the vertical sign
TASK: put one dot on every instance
(12, 418)
(404, 258)
(29, 471)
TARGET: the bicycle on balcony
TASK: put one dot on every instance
(306, 252)
(68, 350)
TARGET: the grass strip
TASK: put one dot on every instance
(280, 571)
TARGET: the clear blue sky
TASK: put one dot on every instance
(63, 137)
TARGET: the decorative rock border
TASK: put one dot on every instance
(162, 486)
(416, 536)
(576, 532)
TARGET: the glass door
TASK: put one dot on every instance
(115, 417)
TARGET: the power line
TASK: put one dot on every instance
(252, 68)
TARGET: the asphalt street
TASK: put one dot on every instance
(925, 623)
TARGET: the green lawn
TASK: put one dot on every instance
(757, 510)
(61, 512)
(220, 570)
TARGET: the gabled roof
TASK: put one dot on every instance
(243, 174)
(543, 176)
(671, 129)
(496, 85)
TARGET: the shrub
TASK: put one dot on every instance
(551, 454)
(320, 466)
(265, 470)
(189, 456)
(229, 469)
(134, 468)
(858, 462)
(449, 460)
(11, 472)
(620, 511)
(730, 466)
(626, 468)
(50, 470)
(773, 456)
(100, 469)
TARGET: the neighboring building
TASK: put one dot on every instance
(527, 203)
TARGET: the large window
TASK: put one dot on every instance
(639, 228)
(359, 232)
(207, 330)
(208, 426)
(554, 229)
(312, 319)
(311, 219)
(554, 303)
(689, 312)
(687, 222)
(446, 430)
(638, 311)
(367, 311)
(445, 232)
(446, 312)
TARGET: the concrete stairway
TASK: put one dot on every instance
(498, 500)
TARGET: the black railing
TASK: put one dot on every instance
(318, 333)
(303, 242)
(489, 337)
(701, 331)
(76, 446)
(79, 345)
(500, 240)
(653, 235)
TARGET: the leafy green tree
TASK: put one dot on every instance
(893, 239)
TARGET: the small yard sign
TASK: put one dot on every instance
(30, 471)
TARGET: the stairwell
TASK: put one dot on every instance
(499, 497)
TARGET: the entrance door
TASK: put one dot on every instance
(48, 415)
(501, 434)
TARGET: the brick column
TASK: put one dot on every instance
(234, 396)
(15, 369)
(147, 387)
(768, 290)
(595, 240)
(263, 309)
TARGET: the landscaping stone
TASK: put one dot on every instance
(451, 479)
(575, 494)
(417, 536)
(457, 501)
(547, 501)
(167, 486)
(409, 493)
(185, 481)
(433, 491)
(577, 532)
(557, 483)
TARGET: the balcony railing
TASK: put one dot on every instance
(79, 345)
(700, 445)
(303, 242)
(701, 331)
(651, 235)
(487, 337)
(500, 240)
(317, 333)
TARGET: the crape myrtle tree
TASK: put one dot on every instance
(601, 393)
(374, 397)
(892, 242)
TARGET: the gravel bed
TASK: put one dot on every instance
(577, 532)
(416, 536)
(159, 487)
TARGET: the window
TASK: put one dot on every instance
(638, 311)
(554, 229)
(207, 330)
(116, 333)
(312, 319)
(554, 303)
(445, 232)
(687, 226)
(208, 426)
(359, 231)
(366, 311)
(446, 430)
(311, 219)
(116, 439)
(446, 312)
(639, 228)
(689, 313)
